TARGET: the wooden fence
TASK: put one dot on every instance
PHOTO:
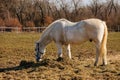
(40, 29)
(24, 29)
(114, 28)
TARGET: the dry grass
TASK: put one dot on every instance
(17, 60)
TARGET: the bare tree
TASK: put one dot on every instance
(42, 12)
(95, 7)
(76, 4)
(111, 7)
(63, 7)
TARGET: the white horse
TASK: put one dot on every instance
(64, 32)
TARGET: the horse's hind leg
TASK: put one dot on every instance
(104, 53)
(97, 54)
(101, 52)
(69, 51)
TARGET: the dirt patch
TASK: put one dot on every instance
(66, 69)
(17, 60)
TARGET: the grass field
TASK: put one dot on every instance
(17, 60)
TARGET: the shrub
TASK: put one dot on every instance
(48, 20)
(2, 23)
(29, 24)
(12, 22)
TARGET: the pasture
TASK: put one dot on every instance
(17, 60)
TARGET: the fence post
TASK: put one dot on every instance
(118, 28)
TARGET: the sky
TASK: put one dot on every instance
(82, 2)
(87, 2)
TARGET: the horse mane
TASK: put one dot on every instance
(50, 27)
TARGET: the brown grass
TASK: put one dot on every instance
(17, 60)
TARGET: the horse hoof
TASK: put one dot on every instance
(38, 60)
(103, 64)
(60, 59)
(95, 64)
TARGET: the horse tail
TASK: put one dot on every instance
(104, 40)
(103, 49)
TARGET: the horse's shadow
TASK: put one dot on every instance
(25, 65)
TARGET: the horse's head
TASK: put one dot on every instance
(39, 52)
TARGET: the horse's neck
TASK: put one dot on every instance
(44, 41)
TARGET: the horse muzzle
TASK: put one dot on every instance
(38, 58)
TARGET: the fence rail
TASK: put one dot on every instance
(114, 28)
(24, 29)
(40, 29)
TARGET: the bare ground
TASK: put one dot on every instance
(17, 62)
(79, 68)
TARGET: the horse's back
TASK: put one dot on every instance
(93, 22)
(89, 29)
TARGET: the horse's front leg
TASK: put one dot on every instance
(69, 51)
(59, 46)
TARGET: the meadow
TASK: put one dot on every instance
(17, 60)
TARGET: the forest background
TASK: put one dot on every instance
(39, 13)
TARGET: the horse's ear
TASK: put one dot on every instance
(36, 42)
